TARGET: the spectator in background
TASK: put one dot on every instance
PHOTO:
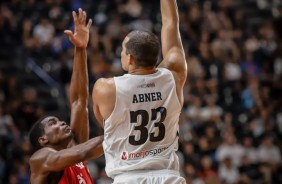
(228, 172)
(133, 8)
(249, 150)
(232, 70)
(204, 147)
(213, 138)
(230, 148)
(189, 154)
(27, 109)
(249, 172)
(194, 111)
(207, 172)
(12, 88)
(211, 111)
(269, 157)
(250, 67)
(185, 129)
(195, 70)
(8, 130)
(269, 153)
(28, 39)
(190, 171)
(143, 23)
(44, 32)
(250, 94)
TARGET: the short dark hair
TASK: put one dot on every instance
(144, 46)
(36, 131)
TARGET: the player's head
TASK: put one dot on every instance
(49, 131)
(140, 48)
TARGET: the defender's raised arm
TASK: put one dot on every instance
(79, 92)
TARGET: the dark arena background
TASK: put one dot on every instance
(231, 123)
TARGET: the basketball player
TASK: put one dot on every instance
(140, 110)
(62, 149)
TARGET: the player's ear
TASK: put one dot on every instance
(43, 140)
(131, 59)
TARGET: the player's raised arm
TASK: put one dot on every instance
(79, 93)
(170, 26)
(172, 48)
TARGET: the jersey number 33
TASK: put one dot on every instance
(144, 133)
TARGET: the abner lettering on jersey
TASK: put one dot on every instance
(147, 97)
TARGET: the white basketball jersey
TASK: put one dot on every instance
(142, 131)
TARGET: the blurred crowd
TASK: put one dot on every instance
(231, 123)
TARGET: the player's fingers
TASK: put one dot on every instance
(89, 23)
(74, 17)
(80, 15)
(83, 17)
(69, 34)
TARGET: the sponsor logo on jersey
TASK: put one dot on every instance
(124, 155)
(142, 154)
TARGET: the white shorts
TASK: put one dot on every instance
(150, 177)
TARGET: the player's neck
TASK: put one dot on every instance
(63, 145)
(142, 71)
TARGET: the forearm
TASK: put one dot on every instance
(170, 26)
(92, 148)
(79, 105)
(83, 151)
(79, 81)
(98, 150)
(83, 75)
(73, 93)
(70, 156)
(169, 12)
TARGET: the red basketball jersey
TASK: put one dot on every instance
(76, 174)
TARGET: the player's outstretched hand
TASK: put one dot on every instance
(80, 36)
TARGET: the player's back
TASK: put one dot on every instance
(141, 132)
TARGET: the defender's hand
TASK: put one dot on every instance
(80, 36)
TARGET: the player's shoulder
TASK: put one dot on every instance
(104, 84)
(41, 154)
(105, 81)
